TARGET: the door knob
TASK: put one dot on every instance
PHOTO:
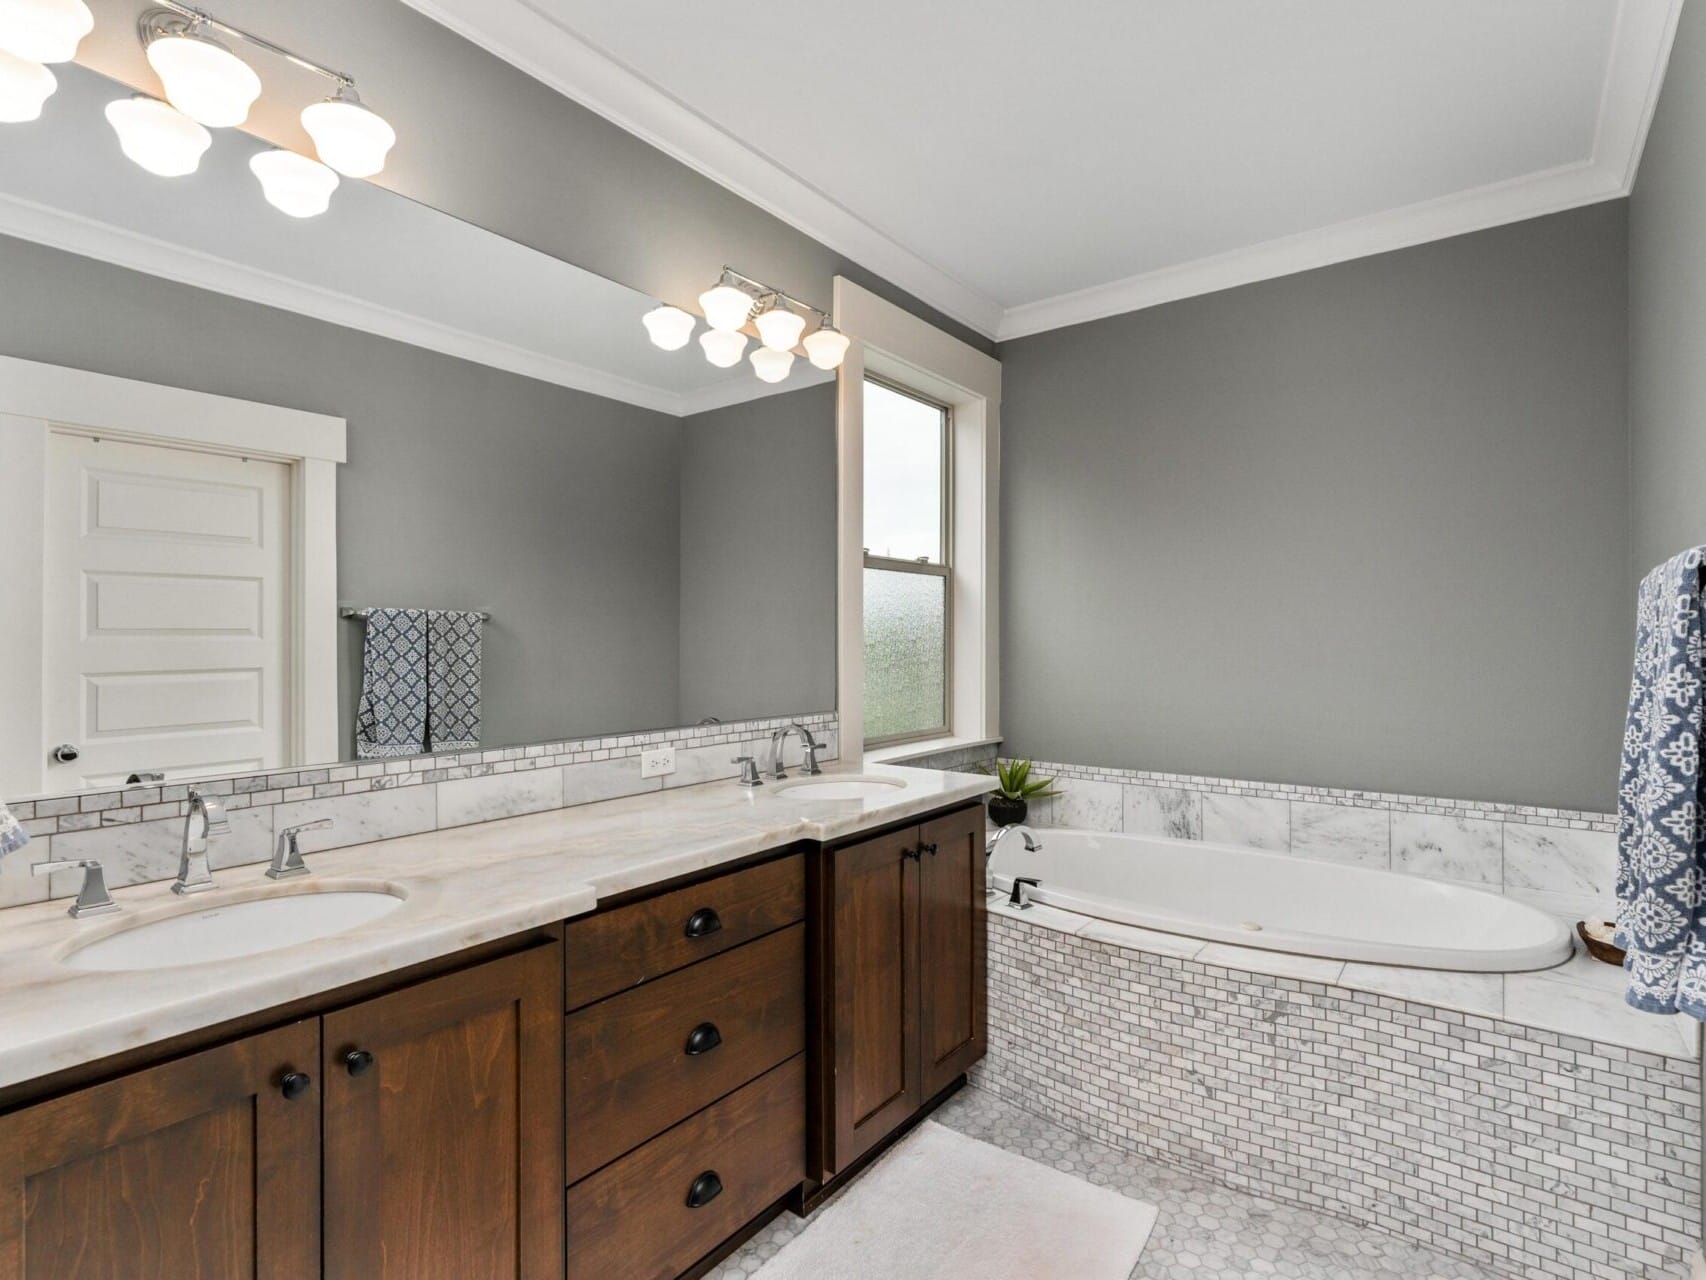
(358, 1062)
(65, 752)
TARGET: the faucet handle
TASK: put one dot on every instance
(213, 812)
(748, 771)
(287, 853)
(809, 747)
(92, 896)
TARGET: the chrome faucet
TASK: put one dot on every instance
(808, 744)
(92, 896)
(287, 853)
(993, 842)
(193, 875)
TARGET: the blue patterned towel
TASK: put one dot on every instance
(453, 680)
(1661, 836)
(391, 716)
(12, 834)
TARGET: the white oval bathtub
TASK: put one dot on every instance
(1223, 893)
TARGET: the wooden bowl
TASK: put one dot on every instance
(1596, 936)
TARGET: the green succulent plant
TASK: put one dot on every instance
(1016, 783)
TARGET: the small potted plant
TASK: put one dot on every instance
(1016, 789)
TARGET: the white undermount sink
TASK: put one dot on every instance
(853, 787)
(235, 929)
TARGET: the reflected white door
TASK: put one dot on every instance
(166, 584)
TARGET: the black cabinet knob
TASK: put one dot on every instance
(706, 1188)
(703, 1038)
(358, 1062)
(703, 923)
(295, 1084)
(929, 849)
(911, 853)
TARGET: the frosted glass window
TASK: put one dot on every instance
(906, 634)
(904, 439)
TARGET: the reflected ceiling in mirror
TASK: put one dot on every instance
(651, 537)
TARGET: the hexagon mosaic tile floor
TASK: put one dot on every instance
(1205, 1232)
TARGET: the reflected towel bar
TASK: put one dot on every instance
(362, 613)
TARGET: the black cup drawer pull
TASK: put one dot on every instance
(706, 1188)
(703, 1038)
(295, 1084)
(703, 923)
(358, 1062)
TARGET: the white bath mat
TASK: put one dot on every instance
(942, 1206)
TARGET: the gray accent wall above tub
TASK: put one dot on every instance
(1363, 527)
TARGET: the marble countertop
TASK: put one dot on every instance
(461, 886)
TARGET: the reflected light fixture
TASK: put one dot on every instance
(159, 137)
(770, 364)
(203, 79)
(726, 307)
(722, 348)
(826, 346)
(44, 30)
(349, 136)
(294, 184)
(778, 327)
(24, 86)
(669, 327)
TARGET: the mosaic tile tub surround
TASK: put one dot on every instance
(137, 832)
(1525, 1151)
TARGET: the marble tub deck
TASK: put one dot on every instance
(461, 886)
(1581, 997)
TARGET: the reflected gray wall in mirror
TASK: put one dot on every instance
(650, 557)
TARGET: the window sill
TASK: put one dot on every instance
(901, 752)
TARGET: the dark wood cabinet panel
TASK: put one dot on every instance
(952, 948)
(197, 1169)
(659, 1209)
(640, 1061)
(873, 955)
(444, 1150)
(618, 949)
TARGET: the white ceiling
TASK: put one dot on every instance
(374, 261)
(1024, 165)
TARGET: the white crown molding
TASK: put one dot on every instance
(91, 239)
(516, 32)
(720, 395)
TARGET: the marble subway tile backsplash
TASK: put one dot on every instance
(1564, 861)
(137, 832)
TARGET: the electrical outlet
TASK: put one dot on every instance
(655, 762)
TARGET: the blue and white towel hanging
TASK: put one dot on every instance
(1661, 879)
(391, 716)
(12, 834)
(453, 680)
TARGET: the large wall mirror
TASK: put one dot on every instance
(651, 540)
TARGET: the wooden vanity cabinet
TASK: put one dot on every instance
(903, 959)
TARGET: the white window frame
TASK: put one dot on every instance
(35, 398)
(896, 346)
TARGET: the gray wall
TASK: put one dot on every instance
(466, 487)
(758, 557)
(1365, 526)
(1667, 311)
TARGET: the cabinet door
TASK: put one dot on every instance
(874, 979)
(198, 1169)
(444, 1127)
(952, 948)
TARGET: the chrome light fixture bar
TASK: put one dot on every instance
(779, 319)
(172, 18)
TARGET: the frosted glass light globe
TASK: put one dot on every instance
(44, 30)
(722, 348)
(826, 346)
(780, 329)
(669, 327)
(725, 307)
(203, 79)
(294, 184)
(24, 86)
(160, 138)
(771, 365)
(348, 136)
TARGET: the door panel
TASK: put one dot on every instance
(444, 1155)
(952, 948)
(874, 957)
(199, 1169)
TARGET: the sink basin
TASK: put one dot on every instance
(859, 787)
(234, 929)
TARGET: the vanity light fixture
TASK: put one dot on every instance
(348, 136)
(778, 327)
(24, 87)
(826, 346)
(669, 327)
(725, 306)
(294, 184)
(722, 348)
(159, 137)
(203, 79)
(770, 364)
(44, 30)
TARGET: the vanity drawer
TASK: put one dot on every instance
(619, 949)
(642, 1060)
(632, 1220)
